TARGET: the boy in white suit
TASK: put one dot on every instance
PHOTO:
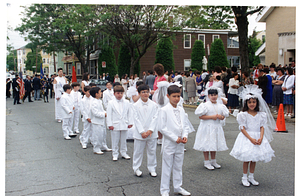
(67, 105)
(175, 128)
(98, 120)
(85, 106)
(119, 119)
(145, 133)
(76, 95)
(108, 95)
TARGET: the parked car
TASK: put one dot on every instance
(100, 83)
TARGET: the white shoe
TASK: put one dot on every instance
(84, 146)
(245, 181)
(289, 115)
(106, 149)
(275, 112)
(138, 173)
(184, 150)
(67, 138)
(99, 152)
(165, 194)
(59, 121)
(125, 156)
(153, 174)
(252, 181)
(209, 166)
(215, 164)
(77, 132)
(159, 141)
(115, 158)
(182, 192)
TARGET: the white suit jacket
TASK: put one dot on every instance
(67, 104)
(169, 126)
(145, 121)
(76, 95)
(85, 107)
(107, 96)
(97, 112)
(115, 118)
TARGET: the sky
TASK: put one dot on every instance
(14, 10)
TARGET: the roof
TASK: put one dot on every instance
(265, 12)
(261, 49)
(218, 31)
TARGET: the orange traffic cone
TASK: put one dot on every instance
(280, 123)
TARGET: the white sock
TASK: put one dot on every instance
(206, 162)
(251, 175)
(244, 175)
(213, 161)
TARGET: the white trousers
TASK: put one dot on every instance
(139, 146)
(75, 119)
(86, 133)
(104, 145)
(116, 136)
(58, 109)
(172, 159)
(97, 136)
(66, 127)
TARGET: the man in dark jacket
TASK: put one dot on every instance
(36, 87)
(16, 89)
(27, 89)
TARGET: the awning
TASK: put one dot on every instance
(261, 49)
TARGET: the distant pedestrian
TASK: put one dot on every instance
(287, 88)
(27, 89)
(150, 80)
(37, 87)
(191, 87)
(16, 90)
(8, 85)
(277, 98)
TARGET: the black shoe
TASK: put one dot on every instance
(18, 103)
(293, 116)
(30, 101)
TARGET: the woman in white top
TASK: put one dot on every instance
(233, 99)
(124, 83)
(85, 82)
(131, 81)
(117, 79)
(287, 87)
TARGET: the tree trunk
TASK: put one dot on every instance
(242, 24)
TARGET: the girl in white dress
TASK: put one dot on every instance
(252, 143)
(210, 135)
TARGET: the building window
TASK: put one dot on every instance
(202, 38)
(23, 51)
(19, 52)
(20, 60)
(44, 60)
(215, 37)
(46, 70)
(93, 68)
(78, 66)
(47, 60)
(69, 69)
(187, 41)
(187, 64)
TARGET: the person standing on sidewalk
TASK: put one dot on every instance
(58, 84)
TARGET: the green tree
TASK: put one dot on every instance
(32, 61)
(107, 55)
(124, 62)
(136, 26)
(164, 53)
(11, 60)
(198, 52)
(63, 27)
(217, 55)
(253, 45)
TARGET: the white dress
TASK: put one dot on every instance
(210, 134)
(243, 149)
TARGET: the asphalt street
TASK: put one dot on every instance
(40, 162)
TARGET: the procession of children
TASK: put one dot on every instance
(145, 119)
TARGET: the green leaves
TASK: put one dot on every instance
(164, 53)
(217, 55)
(198, 52)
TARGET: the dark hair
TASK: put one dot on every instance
(159, 69)
(75, 84)
(94, 90)
(218, 77)
(85, 76)
(138, 83)
(118, 88)
(212, 92)
(59, 69)
(223, 68)
(261, 70)
(280, 69)
(66, 87)
(116, 84)
(228, 71)
(173, 89)
(234, 74)
(92, 84)
(150, 72)
(217, 69)
(290, 71)
(87, 88)
(109, 82)
(245, 108)
(266, 70)
(234, 69)
(272, 65)
(246, 74)
(143, 87)
(198, 72)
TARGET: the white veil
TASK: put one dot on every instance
(253, 91)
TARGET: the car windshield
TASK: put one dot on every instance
(99, 82)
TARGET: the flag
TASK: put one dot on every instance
(74, 79)
(42, 73)
(21, 85)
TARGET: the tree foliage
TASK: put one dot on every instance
(218, 55)
(124, 61)
(164, 53)
(62, 27)
(11, 60)
(32, 61)
(136, 26)
(198, 52)
(107, 55)
(253, 46)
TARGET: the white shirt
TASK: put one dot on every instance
(231, 90)
(288, 83)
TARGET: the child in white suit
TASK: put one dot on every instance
(145, 133)
(108, 94)
(68, 107)
(85, 106)
(119, 119)
(75, 94)
(98, 120)
(175, 128)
